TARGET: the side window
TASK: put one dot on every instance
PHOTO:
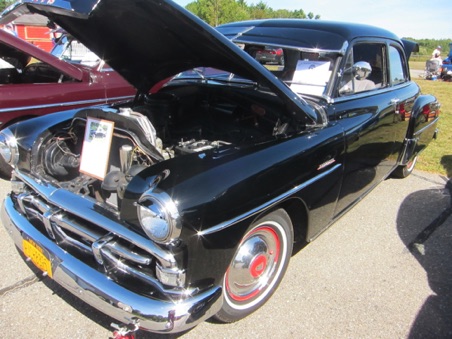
(364, 69)
(17, 67)
(396, 70)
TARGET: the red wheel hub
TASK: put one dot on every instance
(254, 264)
(258, 265)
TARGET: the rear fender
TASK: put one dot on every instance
(422, 127)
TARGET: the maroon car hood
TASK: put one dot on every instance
(147, 41)
(22, 46)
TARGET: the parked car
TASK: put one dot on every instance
(69, 49)
(446, 73)
(34, 82)
(189, 205)
(270, 55)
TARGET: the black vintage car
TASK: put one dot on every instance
(186, 203)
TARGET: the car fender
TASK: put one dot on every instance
(422, 127)
(217, 203)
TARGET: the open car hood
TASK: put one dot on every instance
(11, 46)
(147, 41)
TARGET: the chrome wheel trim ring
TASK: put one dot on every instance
(256, 266)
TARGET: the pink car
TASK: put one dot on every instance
(34, 82)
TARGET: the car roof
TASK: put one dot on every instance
(311, 34)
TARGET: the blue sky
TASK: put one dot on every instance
(406, 18)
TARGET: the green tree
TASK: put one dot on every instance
(298, 14)
(217, 12)
(5, 3)
(282, 13)
(259, 11)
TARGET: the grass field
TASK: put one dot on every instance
(420, 65)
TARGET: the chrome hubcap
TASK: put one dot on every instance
(254, 265)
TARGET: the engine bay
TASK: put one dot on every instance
(159, 128)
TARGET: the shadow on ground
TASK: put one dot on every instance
(430, 242)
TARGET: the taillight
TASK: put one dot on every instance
(430, 113)
(404, 114)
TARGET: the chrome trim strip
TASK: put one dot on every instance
(423, 129)
(66, 223)
(114, 262)
(268, 204)
(238, 38)
(85, 208)
(62, 238)
(127, 254)
(67, 104)
(104, 294)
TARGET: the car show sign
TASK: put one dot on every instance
(96, 147)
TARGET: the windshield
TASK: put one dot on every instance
(212, 74)
(69, 49)
(305, 72)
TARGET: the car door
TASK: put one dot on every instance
(403, 93)
(369, 117)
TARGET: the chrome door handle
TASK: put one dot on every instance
(395, 103)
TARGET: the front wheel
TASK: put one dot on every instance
(405, 170)
(257, 267)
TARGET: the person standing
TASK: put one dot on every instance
(436, 54)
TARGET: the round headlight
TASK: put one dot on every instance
(159, 217)
(8, 147)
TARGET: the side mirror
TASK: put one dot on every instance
(362, 69)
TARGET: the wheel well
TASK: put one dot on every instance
(21, 118)
(299, 216)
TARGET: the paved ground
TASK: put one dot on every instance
(383, 271)
(416, 74)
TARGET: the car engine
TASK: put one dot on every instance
(138, 141)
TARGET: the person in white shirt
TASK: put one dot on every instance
(436, 54)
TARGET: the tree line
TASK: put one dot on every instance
(217, 12)
(426, 46)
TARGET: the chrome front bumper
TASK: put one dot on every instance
(104, 294)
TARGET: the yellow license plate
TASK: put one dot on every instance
(37, 256)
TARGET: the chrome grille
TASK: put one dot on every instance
(74, 223)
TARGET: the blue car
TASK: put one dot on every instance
(446, 73)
